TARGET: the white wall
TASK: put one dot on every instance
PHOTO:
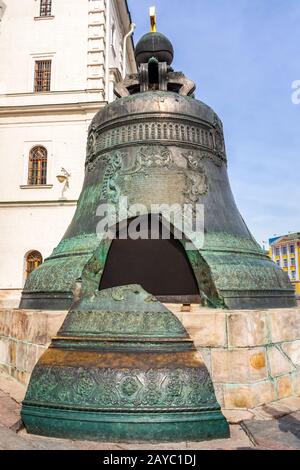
(23, 38)
(65, 141)
(74, 39)
(28, 228)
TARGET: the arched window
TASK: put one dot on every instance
(37, 170)
(33, 260)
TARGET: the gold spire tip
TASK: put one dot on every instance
(152, 13)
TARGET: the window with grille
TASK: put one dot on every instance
(33, 260)
(37, 171)
(45, 7)
(42, 75)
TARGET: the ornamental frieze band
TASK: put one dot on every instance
(166, 132)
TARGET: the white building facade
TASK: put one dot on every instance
(59, 60)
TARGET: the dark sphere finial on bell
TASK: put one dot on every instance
(154, 45)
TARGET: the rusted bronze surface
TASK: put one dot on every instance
(121, 360)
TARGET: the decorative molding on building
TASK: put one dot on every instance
(36, 186)
(96, 51)
(43, 18)
(51, 93)
(87, 106)
(58, 202)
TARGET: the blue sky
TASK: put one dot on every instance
(244, 56)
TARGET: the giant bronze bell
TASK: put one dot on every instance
(122, 367)
(158, 144)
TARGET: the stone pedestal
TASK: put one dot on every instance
(24, 337)
(10, 298)
(253, 356)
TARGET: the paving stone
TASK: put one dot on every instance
(278, 409)
(9, 440)
(238, 440)
(46, 443)
(281, 434)
(9, 412)
(270, 411)
(293, 403)
(237, 416)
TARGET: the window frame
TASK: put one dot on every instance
(47, 78)
(42, 167)
(36, 56)
(38, 260)
(45, 5)
(28, 145)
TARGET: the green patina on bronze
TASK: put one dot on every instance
(161, 147)
(122, 368)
